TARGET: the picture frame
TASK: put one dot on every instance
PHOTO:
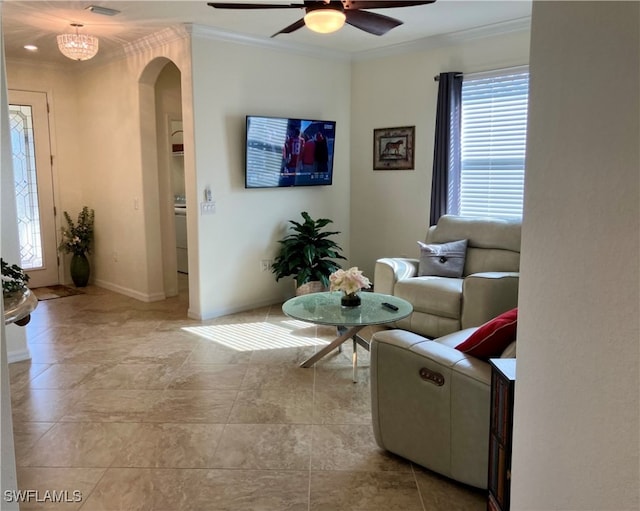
(393, 148)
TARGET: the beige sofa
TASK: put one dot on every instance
(431, 402)
(488, 286)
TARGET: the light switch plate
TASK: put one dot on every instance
(208, 208)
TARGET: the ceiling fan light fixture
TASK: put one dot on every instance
(78, 46)
(324, 21)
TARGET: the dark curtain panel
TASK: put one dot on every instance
(446, 157)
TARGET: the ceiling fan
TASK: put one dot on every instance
(326, 16)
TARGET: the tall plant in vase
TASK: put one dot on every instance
(77, 239)
(307, 254)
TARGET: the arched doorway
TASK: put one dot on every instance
(163, 176)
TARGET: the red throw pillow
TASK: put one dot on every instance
(492, 338)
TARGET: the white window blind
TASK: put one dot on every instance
(493, 144)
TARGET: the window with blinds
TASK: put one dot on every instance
(493, 144)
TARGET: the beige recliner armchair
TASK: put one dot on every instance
(430, 403)
(488, 285)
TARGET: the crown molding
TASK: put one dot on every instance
(160, 38)
(154, 40)
(425, 43)
(188, 30)
(448, 39)
(261, 42)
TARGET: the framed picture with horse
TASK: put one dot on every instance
(393, 148)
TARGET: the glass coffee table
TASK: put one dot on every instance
(325, 309)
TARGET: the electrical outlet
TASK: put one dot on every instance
(265, 264)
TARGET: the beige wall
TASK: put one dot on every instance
(230, 82)
(106, 157)
(121, 182)
(390, 209)
(9, 248)
(61, 89)
(100, 107)
(99, 148)
(112, 163)
(576, 431)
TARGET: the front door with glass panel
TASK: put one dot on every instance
(34, 186)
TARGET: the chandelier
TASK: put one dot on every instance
(78, 46)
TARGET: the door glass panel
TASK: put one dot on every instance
(24, 170)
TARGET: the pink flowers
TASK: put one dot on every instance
(349, 281)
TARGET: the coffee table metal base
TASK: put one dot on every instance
(345, 335)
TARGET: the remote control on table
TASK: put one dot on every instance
(389, 306)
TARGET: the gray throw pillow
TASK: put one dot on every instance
(442, 259)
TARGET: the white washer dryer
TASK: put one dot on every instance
(181, 239)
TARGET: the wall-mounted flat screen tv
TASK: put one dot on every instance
(288, 152)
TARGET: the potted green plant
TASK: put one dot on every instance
(307, 253)
(18, 300)
(13, 278)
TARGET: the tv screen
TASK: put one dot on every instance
(288, 152)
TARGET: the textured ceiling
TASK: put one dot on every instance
(38, 22)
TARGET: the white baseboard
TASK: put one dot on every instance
(143, 297)
(223, 311)
(18, 355)
(193, 314)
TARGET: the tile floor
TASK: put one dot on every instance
(137, 407)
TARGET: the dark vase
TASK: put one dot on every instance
(350, 300)
(80, 270)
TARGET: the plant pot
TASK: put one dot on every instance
(314, 286)
(80, 270)
(350, 300)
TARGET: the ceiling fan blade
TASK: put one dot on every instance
(370, 22)
(228, 5)
(291, 28)
(382, 4)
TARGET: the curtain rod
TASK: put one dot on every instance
(436, 78)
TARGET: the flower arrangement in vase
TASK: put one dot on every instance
(350, 282)
(77, 239)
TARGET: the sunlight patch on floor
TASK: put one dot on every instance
(260, 335)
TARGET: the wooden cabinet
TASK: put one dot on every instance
(503, 377)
